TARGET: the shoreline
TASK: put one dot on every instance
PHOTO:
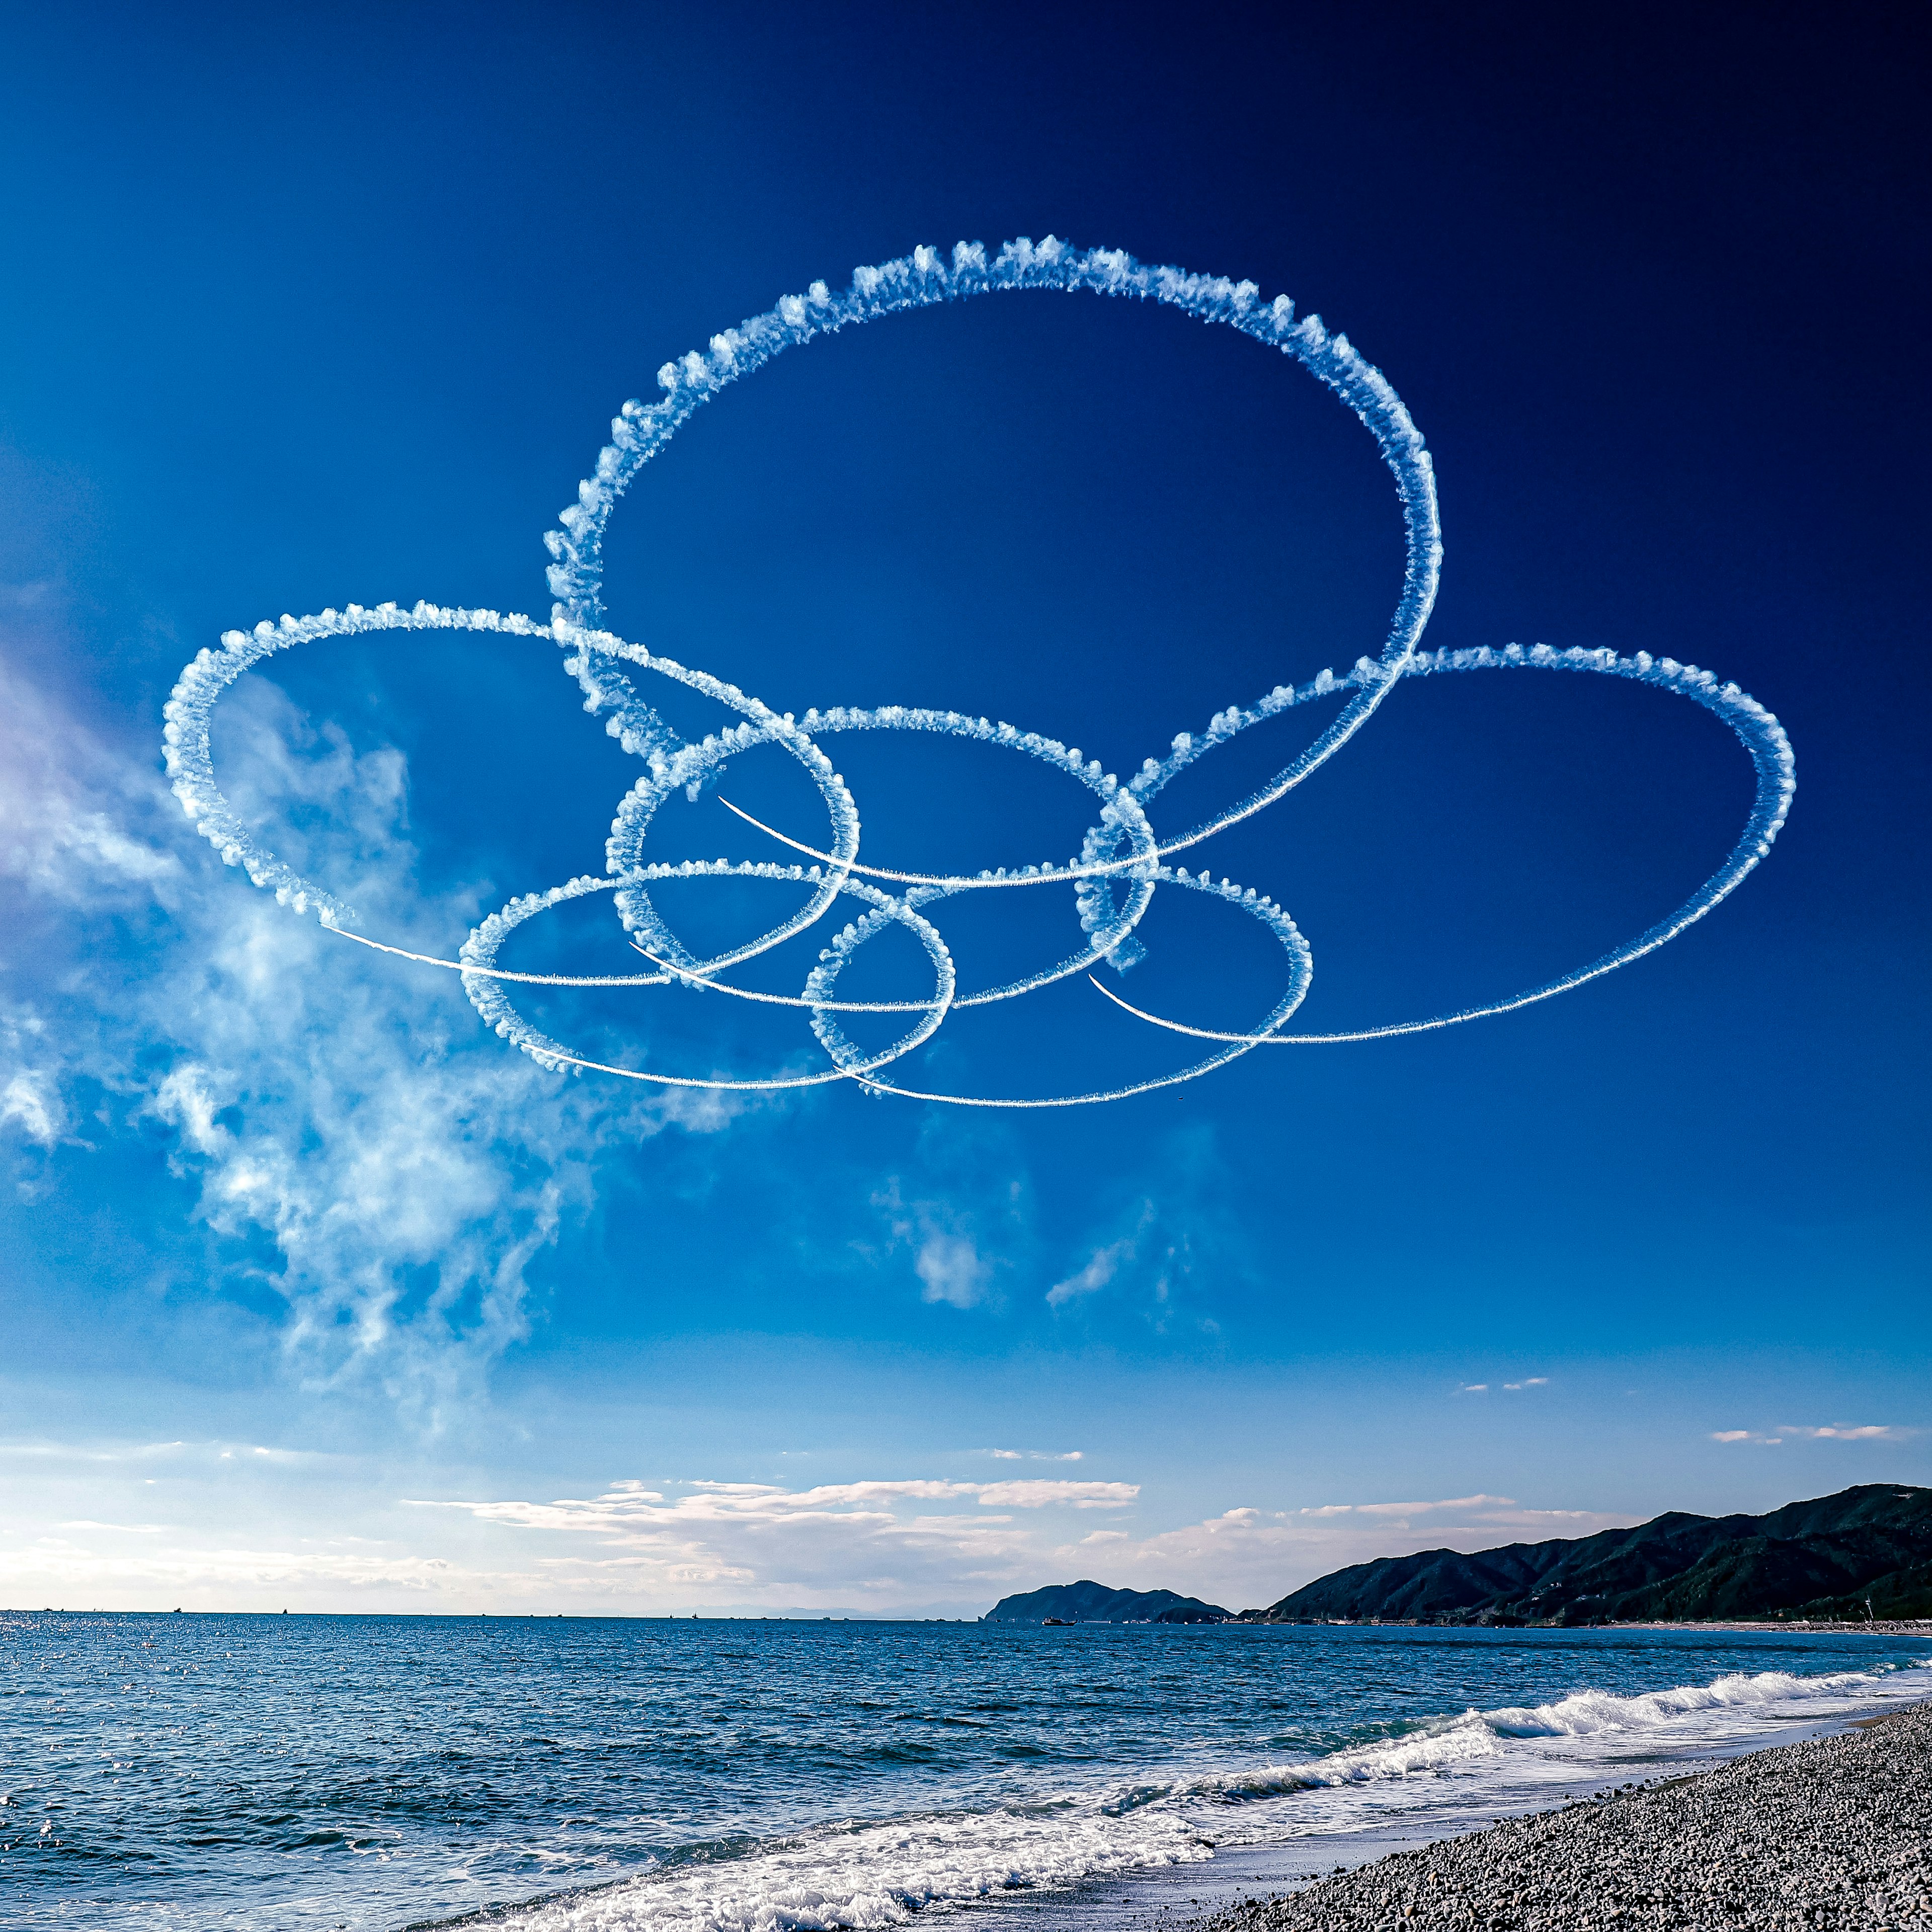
(1749, 1626)
(1848, 1626)
(1833, 1830)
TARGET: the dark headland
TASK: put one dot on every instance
(1089, 1603)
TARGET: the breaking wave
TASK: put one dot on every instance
(862, 1876)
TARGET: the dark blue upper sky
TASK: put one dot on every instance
(307, 305)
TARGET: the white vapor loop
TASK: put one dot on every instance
(1121, 849)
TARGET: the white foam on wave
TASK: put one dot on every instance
(863, 1876)
(1479, 1736)
(1588, 1713)
(1593, 1714)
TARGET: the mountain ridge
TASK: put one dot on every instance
(1825, 1557)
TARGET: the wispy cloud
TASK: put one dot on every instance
(1076, 1495)
(875, 1544)
(1405, 1510)
(407, 1171)
(960, 1213)
(1102, 1265)
(1142, 1259)
(228, 1576)
(840, 1543)
(951, 1268)
(1792, 1431)
(1863, 1431)
(30, 1103)
(77, 824)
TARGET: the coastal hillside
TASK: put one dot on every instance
(1826, 1558)
(1090, 1603)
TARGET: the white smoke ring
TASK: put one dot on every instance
(919, 279)
(1300, 977)
(189, 713)
(1121, 817)
(1776, 784)
(482, 981)
(926, 278)
(923, 279)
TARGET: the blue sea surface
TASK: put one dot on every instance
(270, 1772)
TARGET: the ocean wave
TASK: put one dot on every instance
(866, 1876)
(1447, 1742)
(1588, 1713)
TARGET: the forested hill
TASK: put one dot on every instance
(1089, 1603)
(1826, 1558)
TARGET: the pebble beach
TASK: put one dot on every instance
(1834, 1832)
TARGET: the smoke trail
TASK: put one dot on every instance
(1121, 849)
(1763, 737)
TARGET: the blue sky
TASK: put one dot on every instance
(317, 1292)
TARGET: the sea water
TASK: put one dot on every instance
(642, 1775)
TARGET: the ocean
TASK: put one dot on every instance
(652, 1775)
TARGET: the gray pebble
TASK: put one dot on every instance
(1834, 1832)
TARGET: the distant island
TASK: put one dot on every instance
(1865, 1551)
(1089, 1603)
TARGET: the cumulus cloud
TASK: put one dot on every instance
(767, 1541)
(630, 1507)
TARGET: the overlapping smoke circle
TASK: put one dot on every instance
(1123, 862)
